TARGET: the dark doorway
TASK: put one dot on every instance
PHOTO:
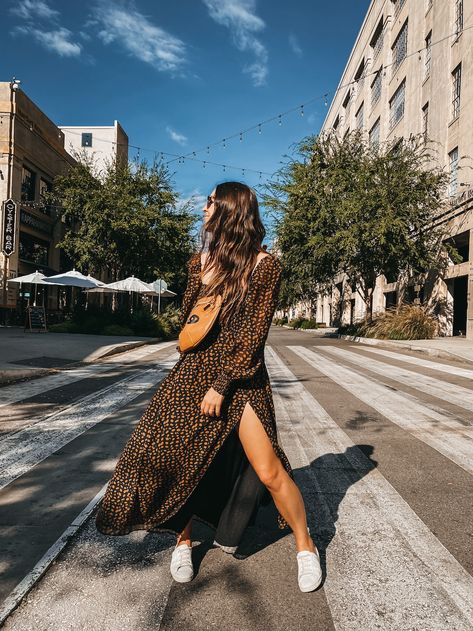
(460, 290)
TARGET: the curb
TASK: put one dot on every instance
(432, 352)
(8, 377)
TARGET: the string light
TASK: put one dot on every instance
(302, 110)
(259, 128)
(325, 100)
(241, 137)
(280, 120)
(224, 144)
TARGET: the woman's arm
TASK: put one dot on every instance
(251, 326)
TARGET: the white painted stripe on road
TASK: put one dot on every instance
(444, 390)
(24, 586)
(385, 568)
(26, 389)
(441, 431)
(26, 448)
(423, 363)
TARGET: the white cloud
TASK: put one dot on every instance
(240, 18)
(142, 39)
(37, 16)
(195, 198)
(294, 44)
(176, 136)
(30, 9)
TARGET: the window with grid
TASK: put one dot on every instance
(359, 117)
(376, 88)
(425, 121)
(428, 55)
(375, 133)
(377, 39)
(360, 75)
(458, 16)
(453, 159)
(456, 79)
(399, 48)
(347, 105)
(398, 4)
(336, 123)
(396, 105)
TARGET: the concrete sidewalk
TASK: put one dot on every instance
(25, 354)
(458, 348)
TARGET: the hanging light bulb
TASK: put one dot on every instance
(259, 128)
(260, 175)
(325, 100)
(224, 168)
(224, 143)
(302, 110)
(241, 137)
(279, 120)
(208, 150)
(194, 154)
(243, 172)
(204, 164)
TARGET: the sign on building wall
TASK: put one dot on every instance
(8, 228)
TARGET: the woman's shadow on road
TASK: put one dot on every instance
(323, 484)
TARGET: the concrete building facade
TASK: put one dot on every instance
(33, 151)
(104, 144)
(411, 72)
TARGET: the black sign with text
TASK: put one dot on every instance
(36, 319)
(8, 228)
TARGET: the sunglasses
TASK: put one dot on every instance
(210, 201)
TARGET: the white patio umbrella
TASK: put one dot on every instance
(131, 284)
(72, 279)
(161, 288)
(36, 278)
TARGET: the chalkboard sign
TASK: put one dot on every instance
(36, 319)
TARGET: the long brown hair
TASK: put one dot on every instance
(233, 234)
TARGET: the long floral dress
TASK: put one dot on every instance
(180, 463)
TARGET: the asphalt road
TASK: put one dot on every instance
(381, 443)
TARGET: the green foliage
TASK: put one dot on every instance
(346, 206)
(295, 323)
(116, 329)
(124, 221)
(309, 324)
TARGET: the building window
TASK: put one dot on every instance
(396, 105)
(347, 105)
(377, 39)
(360, 75)
(376, 88)
(425, 121)
(428, 55)
(399, 48)
(359, 118)
(457, 79)
(458, 16)
(33, 250)
(398, 4)
(44, 187)
(336, 123)
(375, 133)
(87, 140)
(453, 160)
(28, 185)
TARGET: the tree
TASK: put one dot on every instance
(125, 221)
(344, 206)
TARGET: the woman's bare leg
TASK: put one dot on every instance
(269, 469)
(185, 536)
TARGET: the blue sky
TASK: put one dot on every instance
(185, 74)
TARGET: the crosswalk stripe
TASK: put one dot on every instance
(24, 390)
(418, 361)
(463, 397)
(441, 431)
(385, 568)
(25, 449)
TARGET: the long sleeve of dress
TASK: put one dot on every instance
(251, 326)
(192, 288)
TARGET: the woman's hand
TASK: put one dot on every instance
(211, 403)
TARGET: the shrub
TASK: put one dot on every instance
(407, 322)
(295, 323)
(116, 329)
(65, 327)
(309, 324)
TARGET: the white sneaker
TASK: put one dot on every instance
(182, 569)
(309, 571)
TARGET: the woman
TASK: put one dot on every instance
(206, 447)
